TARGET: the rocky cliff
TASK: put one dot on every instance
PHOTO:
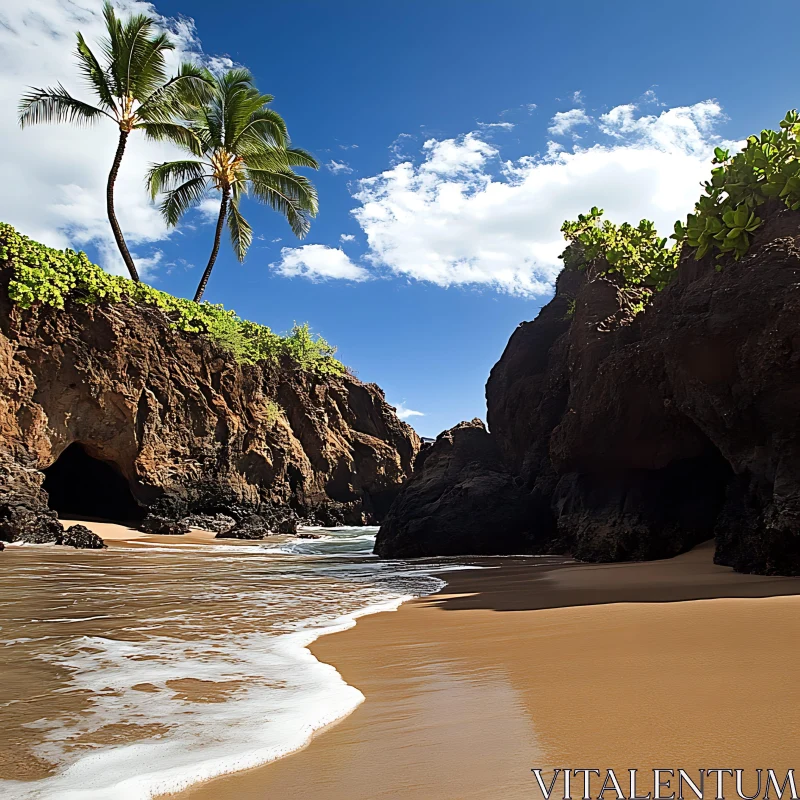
(618, 437)
(107, 410)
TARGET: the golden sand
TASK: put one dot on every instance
(669, 664)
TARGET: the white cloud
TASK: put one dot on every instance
(348, 146)
(318, 262)
(404, 413)
(338, 166)
(347, 237)
(461, 216)
(508, 126)
(398, 147)
(564, 121)
(577, 97)
(60, 171)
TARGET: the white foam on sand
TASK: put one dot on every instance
(265, 692)
(254, 726)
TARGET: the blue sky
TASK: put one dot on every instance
(531, 112)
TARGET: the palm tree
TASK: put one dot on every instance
(241, 146)
(132, 90)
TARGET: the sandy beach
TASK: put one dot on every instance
(668, 664)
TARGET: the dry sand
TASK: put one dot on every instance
(669, 664)
(114, 533)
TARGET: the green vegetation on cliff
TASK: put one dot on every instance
(48, 277)
(638, 253)
(724, 217)
(723, 220)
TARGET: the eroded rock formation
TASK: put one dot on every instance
(105, 410)
(637, 437)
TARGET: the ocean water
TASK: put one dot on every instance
(148, 667)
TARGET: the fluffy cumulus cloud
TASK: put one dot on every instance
(459, 215)
(565, 122)
(318, 262)
(59, 171)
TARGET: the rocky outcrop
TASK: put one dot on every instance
(107, 411)
(462, 499)
(80, 536)
(638, 437)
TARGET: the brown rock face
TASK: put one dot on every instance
(107, 411)
(636, 438)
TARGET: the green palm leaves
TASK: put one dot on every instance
(131, 88)
(240, 146)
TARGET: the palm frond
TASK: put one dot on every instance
(240, 230)
(94, 74)
(178, 201)
(292, 195)
(148, 69)
(278, 159)
(174, 132)
(263, 126)
(235, 78)
(298, 157)
(111, 47)
(168, 176)
(180, 96)
(56, 105)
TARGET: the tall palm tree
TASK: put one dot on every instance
(241, 146)
(132, 90)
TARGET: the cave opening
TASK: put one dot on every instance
(79, 485)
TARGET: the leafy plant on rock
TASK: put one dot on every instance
(637, 254)
(725, 216)
(42, 276)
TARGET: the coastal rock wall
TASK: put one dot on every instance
(638, 437)
(187, 428)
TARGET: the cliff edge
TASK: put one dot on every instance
(107, 410)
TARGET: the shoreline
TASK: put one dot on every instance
(634, 665)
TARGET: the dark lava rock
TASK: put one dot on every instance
(2, 547)
(269, 522)
(163, 526)
(620, 436)
(218, 523)
(19, 524)
(80, 536)
(308, 536)
(463, 501)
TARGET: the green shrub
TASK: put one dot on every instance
(272, 411)
(49, 277)
(725, 215)
(638, 254)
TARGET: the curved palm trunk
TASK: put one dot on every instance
(112, 217)
(223, 211)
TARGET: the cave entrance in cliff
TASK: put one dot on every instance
(79, 485)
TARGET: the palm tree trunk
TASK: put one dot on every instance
(223, 210)
(112, 217)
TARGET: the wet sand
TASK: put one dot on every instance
(669, 664)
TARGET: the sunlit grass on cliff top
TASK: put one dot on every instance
(47, 277)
